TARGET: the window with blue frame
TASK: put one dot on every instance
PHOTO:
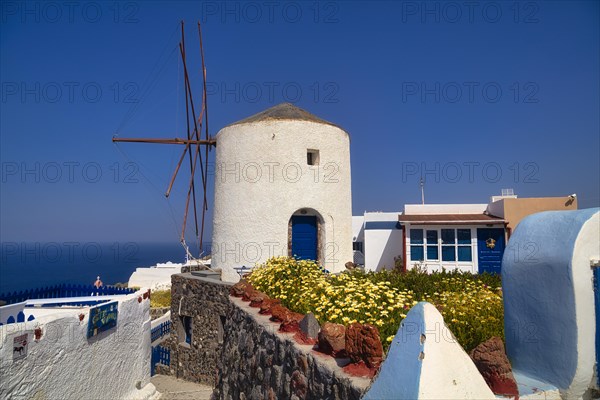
(416, 245)
(448, 245)
(455, 245)
(432, 245)
(464, 249)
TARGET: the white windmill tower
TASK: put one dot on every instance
(282, 187)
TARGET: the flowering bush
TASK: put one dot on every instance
(471, 304)
(160, 298)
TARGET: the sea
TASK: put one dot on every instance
(25, 265)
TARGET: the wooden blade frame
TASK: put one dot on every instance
(191, 140)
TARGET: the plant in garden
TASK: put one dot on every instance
(160, 298)
(471, 304)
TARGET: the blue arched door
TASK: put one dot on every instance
(304, 237)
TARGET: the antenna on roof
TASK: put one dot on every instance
(422, 185)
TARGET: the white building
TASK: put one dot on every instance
(467, 237)
(282, 187)
(62, 349)
(377, 240)
(157, 277)
(452, 236)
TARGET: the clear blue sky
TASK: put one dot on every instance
(495, 87)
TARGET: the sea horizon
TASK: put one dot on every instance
(30, 265)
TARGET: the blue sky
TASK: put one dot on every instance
(481, 97)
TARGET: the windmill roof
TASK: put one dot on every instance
(283, 111)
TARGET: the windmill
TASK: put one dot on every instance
(192, 146)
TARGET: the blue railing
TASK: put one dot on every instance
(62, 290)
(160, 330)
(160, 355)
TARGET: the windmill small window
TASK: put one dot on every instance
(312, 157)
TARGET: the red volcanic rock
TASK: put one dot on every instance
(300, 337)
(290, 321)
(363, 344)
(257, 298)
(492, 362)
(289, 326)
(265, 306)
(279, 313)
(239, 288)
(332, 339)
(360, 369)
(249, 293)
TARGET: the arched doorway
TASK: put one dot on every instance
(305, 234)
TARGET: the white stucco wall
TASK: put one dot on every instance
(383, 240)
(11, 310)
(154, 278)
(381, 246)
(262, 178)
(496, 208)
(357, 228)
(431, 209)
(587, 247)
(65, 364)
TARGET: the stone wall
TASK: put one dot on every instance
(206, 301)
(241, 352)
(258, 362)
(158, 312)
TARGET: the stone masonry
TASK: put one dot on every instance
(258, 362)
(241, 352)
(206, 302)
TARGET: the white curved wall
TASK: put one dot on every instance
(262, 178)
(65, 364)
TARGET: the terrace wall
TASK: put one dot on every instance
(242, 353)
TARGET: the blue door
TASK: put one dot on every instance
(304, 237)
(490, 248)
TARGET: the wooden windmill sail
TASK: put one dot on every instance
(192, 144)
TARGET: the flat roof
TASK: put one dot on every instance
(450, 219)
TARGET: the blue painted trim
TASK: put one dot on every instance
(72, 303)
(62, 290)
(159, 355)
(383, 225)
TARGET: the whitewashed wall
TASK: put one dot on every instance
(432, 209)
(262, 178)
(382, 240)
(65, 364)
(155, 278)
(382, 246)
